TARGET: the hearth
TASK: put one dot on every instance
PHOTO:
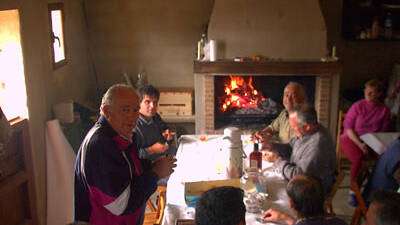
(323, 75)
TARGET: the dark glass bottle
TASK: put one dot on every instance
(256, 158)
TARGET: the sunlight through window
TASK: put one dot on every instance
(13, 98)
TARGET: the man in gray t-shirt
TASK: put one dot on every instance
(312, 150)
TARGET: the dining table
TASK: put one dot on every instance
(205, 158)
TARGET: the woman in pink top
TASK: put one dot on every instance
(364, 116)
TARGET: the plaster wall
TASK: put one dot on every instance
(273, 29)
(155, 36)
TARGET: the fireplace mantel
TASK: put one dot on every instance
(326, 89)
(280, 68)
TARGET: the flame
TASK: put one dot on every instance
(240, 93)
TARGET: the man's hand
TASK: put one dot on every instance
(158, 148)
(168, 134)
(263, 135)
(273, 215)
(269, 156)
(164, 166)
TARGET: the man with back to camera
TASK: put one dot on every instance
(112, 184)
(152, 133)
(221, 206)
(306, 198)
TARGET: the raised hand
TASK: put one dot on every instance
(168, 134)
(164, 166)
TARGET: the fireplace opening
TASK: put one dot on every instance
(251, 102)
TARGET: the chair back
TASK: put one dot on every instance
(339, 173)
(155, 211)
(339, 154)
(184, 222)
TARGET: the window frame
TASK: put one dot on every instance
(54, 7)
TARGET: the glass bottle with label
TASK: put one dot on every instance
(255, 158)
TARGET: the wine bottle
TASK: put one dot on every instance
(255, 158)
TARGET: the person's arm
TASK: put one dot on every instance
(146, 151)
(386, 124)
(265, 134)
(349, 125)
(356, 139)
(273, 215)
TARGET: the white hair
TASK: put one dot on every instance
(109, 96)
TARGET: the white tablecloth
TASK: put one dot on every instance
(379, 141)
(206, 160)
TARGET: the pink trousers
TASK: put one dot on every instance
(354, 154)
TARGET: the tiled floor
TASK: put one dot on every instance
(340, 206)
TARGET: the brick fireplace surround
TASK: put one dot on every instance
(326, 86)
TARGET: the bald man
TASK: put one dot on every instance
(112, 184)
(294, 96)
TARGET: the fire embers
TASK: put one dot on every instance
(242, 97)
(240, 93)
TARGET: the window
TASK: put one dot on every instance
(13, 100)
(56, 16)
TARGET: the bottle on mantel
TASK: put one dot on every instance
(255, 158)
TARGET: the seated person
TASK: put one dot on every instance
(384, 209)
(386, 174)
(112, 185)
(294, 96)
(364, 116)
(152, 133)
(306, 198)
(312, 150)
(221, 206)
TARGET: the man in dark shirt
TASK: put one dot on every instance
(152, 133)
(112, 184)
(306, 198)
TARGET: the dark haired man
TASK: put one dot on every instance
(384, 209)
(306, 198)
(312, 150)
(221, 206)
(153, 135)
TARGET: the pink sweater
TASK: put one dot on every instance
(366, 117)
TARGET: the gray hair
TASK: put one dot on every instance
(108, 97)
(299, 87)
(306, 115)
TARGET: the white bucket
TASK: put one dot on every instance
(64, 111)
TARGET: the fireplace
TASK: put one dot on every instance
(250, 102)
(323, 91)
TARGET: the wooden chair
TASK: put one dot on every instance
(184, 222)
(339, 172)
(155, 211)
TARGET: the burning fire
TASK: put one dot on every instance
(240, 94)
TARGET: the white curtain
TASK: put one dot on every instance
(60, 176)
